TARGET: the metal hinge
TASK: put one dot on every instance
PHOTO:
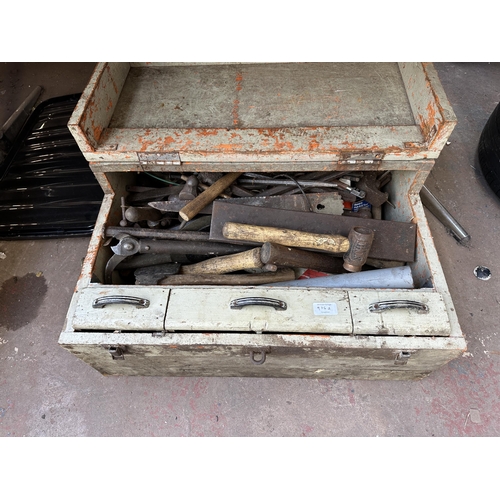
(153, 159)
(361, 158)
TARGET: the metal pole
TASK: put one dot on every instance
(438, 210)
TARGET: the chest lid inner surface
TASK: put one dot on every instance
(262, 112)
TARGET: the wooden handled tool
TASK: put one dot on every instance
(226, 264)
(229, 279)
(261, 234)
(286, 256)
(209, 195)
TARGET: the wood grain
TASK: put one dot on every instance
(202, 200)
(226, 264)
(282, 255)
(261, 234)
(229, 279)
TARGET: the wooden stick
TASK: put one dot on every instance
(226, 264)
(209, 195)
(229, 279)
(246, 232)
(286, 256)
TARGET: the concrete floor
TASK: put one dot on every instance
(45, 391)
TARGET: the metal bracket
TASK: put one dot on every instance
(116, 352)
(159, 159)
(402, 358)
(258, 355)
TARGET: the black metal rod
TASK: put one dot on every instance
(160, 234)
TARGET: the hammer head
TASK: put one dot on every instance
(371, 186)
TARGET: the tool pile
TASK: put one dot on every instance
(210, 228)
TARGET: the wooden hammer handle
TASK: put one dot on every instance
(286, 256)
(209, 195)
(226, 264)
(261, 234)
(229, 279)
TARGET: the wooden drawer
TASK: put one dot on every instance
(400, 313)
(320, 311)
(136, 118)
(116, 307)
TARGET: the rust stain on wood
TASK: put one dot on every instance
(313, 144)
(228, 147)
(96, 131)
(203, 132)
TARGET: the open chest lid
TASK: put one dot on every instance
(171, 113)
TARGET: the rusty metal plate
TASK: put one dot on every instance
(295, 202)
(393, 240)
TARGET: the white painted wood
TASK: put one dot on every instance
(399, 322)
(287, 112)
(121, 316)
(429, 104)
(208, 309)
(181, 352)
(96, 106)
(229, 354)
(211, 339)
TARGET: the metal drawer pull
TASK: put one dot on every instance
(385, 305)
(259, 361)
(101, 302)
(257, 301)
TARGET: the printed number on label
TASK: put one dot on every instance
(325, 309)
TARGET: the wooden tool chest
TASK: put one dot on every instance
(151, 120)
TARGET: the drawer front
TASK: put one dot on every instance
(137, 308)
(399, 313)
(275, 310)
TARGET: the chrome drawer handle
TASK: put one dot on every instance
(385, 305)
(101, 302)
(279, 305)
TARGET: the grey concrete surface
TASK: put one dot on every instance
(45, 391)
